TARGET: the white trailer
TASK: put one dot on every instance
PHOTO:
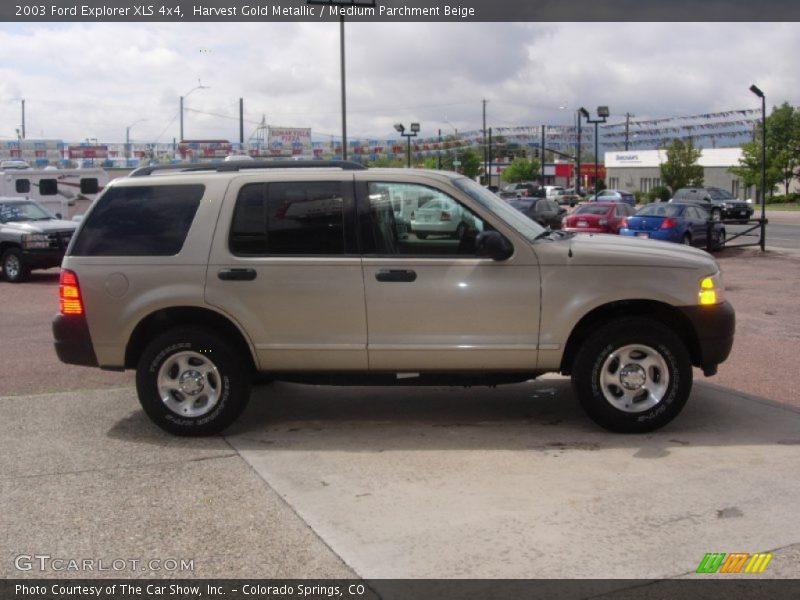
(56, 189)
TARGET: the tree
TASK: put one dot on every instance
(470, 162)
(783, 151)
(681, 168)
(522, 169)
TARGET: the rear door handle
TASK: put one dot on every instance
(237, 274)
(396, 275)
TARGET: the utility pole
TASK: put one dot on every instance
(241, 120)
(542, 145)
(627, 125)
(485, 147)
(23, 118)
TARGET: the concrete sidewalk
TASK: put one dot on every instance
(512, 482)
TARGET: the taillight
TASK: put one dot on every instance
(668, 223)
(445, 216)
(69, 294)
(624, 223)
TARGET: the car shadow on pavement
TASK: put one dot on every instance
(540, 415)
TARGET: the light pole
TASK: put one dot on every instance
(578, 158)
(760, 94)
(199, 86)
(128, 141)
(456, 162)
(602, 112)
(400, 128)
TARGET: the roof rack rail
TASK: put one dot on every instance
(344, 165)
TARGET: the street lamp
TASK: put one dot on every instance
(578, 155)
(128, 141)
(402, 131)
(602, 112)
(754, 88)
(199, 86)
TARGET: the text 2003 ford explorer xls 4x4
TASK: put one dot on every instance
(202, 278)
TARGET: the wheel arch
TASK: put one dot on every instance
(661, 312)
(169, 318)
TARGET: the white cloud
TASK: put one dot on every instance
(88, 80)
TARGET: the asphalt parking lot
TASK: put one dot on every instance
(512, 482)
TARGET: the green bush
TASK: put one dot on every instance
(784, 199)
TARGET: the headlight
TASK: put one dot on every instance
(712, 290)
(35, 240)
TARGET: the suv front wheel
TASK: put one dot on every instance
(632, 375)
(191, 382)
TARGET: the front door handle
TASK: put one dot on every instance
(396, 275)
(237, 274)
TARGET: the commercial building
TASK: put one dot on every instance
(640, 170)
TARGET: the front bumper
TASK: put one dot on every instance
(42, 259)
(714, 328)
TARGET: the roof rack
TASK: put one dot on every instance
(344, 165)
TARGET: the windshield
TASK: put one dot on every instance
(22, 211)
(501, 209)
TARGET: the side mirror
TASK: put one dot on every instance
(491, 244)
(58, 216)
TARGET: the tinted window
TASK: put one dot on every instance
(23, 186)
(591, 209)
(660, 210)
(48, 187)
(288, 218)
(150, 220)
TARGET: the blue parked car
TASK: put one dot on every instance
(614, 196)
(674, 222)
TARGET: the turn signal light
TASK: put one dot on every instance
(708, 295)
(69, 294)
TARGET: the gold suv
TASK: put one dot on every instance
(205, 277)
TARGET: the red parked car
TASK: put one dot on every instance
(597, 217)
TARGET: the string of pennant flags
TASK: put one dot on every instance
(726, 126)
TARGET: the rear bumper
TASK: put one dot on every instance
(72, 341)
(714, 327)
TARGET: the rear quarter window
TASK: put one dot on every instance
(150, 220)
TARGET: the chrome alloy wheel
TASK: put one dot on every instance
(12, 266)
(189, 384)
(634, 378)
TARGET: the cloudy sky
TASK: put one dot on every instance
(87, 80)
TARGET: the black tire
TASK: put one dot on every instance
(630, 397)
(15, 269)
(719, 242)
(422, 236)
(192, 383)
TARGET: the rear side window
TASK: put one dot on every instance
(150, 220)
(292, 218)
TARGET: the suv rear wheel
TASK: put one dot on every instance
(192, 382)
(632, 375)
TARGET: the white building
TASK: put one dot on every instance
(639, 170)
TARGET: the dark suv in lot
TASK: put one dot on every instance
(720, 204)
